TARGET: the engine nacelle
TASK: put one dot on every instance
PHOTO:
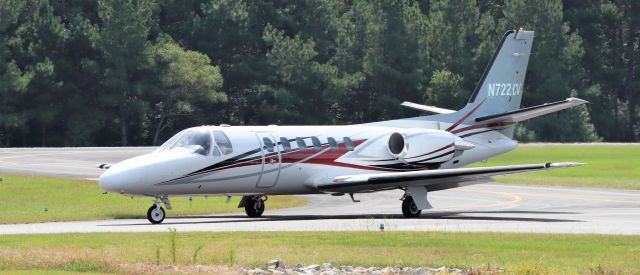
(429, 146)
(426, 146)
(419, 147)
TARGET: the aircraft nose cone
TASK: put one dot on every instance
(118, 179)
(109, 182)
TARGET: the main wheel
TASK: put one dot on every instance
(254, 207)
(410, 209)
(155, 214)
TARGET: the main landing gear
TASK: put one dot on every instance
(156, 213)
(409, 208)
(414, 201)
(253, 205)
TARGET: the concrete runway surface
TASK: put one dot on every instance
(484, 207)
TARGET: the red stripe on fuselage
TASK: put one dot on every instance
(465, 117)
(327, 157)
(434, 151)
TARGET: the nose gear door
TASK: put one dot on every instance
(271, 160)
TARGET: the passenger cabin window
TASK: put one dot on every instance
(348, 143)
(223, 142)
(268, 144)
(301, 145)
(316, 143)
(286, 146)
(197, 141)
(332, 143)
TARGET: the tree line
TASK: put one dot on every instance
(133, 72)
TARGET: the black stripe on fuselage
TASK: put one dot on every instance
(239, 159)
(229, 161)
(417, 165)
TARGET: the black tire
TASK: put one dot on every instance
(254, 207)
(410, 209)
(155, 217)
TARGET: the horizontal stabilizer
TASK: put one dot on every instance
(531, 112)
(430, 109)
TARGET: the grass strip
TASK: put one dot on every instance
(607, 166)
(514, 252)
(23, 199)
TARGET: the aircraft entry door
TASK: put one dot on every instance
(271, 160)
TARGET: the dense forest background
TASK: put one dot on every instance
(133, 72)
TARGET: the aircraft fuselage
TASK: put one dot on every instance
(290, 159)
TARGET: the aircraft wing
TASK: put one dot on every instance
(433, 179)
(531, 112)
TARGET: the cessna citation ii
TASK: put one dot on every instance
(418, 155)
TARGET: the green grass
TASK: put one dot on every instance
(24, 198)
(607, 166)
(515, 252)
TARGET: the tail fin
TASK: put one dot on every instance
(501, 86)
(499, 90)
(495, 102)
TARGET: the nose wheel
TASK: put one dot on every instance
(254, 207)
(409, 208)
(155, 214)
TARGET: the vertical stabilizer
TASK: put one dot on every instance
(499, 91)
(501, 86)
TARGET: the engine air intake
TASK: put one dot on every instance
(396, 143)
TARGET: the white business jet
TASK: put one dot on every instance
(417, 155)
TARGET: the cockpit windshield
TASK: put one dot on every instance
(167, 144)
(194, 140)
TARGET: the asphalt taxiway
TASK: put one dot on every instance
(486, 207)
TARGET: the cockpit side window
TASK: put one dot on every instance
(198, 141)
(223, 142)
(216, 151)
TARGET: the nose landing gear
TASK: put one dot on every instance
(155, 214)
